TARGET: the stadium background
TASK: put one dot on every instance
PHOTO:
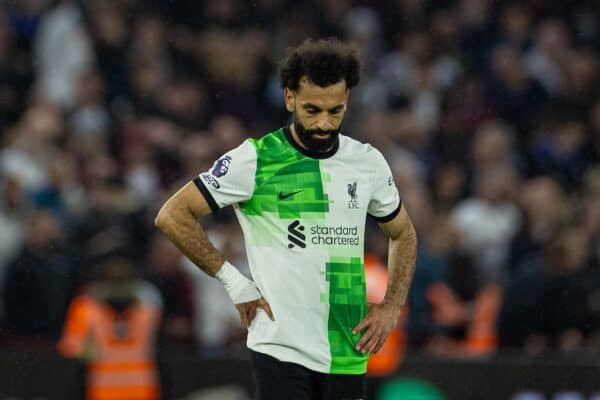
(488, 112)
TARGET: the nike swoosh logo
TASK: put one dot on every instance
(283, 196)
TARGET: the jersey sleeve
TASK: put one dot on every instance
(230, 180)
(385, 201)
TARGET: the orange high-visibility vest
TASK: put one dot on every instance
(482, 336)
(122, 365)
(387, 360)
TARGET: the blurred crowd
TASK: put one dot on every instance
(488, 112)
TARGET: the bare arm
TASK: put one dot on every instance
(401, 258)
(382, 318)
(178, 220)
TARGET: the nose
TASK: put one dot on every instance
(324, 123)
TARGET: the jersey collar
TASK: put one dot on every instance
(306, 152)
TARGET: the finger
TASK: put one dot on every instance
(360, 346)
(251, 314)
(246, 321)
(265, 306)
(372, 343)
(361, 325)
(379, 346)
(250, 308)
(243, 318)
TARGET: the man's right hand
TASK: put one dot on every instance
(248, 311)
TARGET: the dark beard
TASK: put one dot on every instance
(313, 144)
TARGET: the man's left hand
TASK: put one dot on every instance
(381, 318)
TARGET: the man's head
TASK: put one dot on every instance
(316, 77)
(44, 231)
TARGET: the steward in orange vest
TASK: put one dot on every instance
(113, 325)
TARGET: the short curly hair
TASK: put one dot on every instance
(324, 62)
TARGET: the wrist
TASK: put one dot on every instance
(239, 288)
(393, 305)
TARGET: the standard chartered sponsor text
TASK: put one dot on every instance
(335, 235)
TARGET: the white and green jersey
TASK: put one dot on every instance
(303, 218)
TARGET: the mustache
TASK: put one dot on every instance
(329, 132)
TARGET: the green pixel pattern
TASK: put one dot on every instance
(281, 169)
(347, 306)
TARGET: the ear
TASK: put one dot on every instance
(290, 100)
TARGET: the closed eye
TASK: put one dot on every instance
(311, 109)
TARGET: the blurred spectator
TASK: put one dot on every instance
(235, 84)
(493, 146)
(415, 59)
(477, 37)
(141, 175)
(107, 26)
(563, 149)
(583, 82)
(546, 61)
(408, 171)
(375, 128)
(114, 216)
(466, 102)
(15, 75)
(197, 153)
(31, 144)
(225, 14)
(449, 186)
(452, 306)
(185, 101)
(433, 254)
(62, 192)
(464, 311)
(554, 302)
(149, 150)
(227, 131)
(544, 207)
(362, 26)
(39, 281)
(59, 67)
(515, 96)
(515, 25)
(89, 121)
(171, 279)
(488, 221)
(113, 326)
(13, 213)
(465, 297)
